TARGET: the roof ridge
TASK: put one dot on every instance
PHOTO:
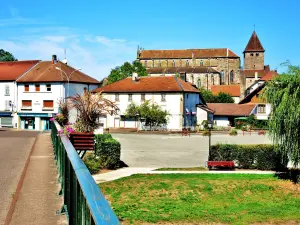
(176, 78)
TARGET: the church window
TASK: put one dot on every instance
(201, 63)
(231, 76)
(187, 63)
(152, 63)
(173, 63)
(199, 83)
(159, 63)
(145, 63)
(192, 79)
(222, 77)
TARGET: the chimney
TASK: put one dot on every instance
(256, 76)
(134, 76)
(54, 59)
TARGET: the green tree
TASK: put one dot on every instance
(224, 98)
(126, 70)
(220, 98)
(153, 114)
(283, 93)
(6, 56)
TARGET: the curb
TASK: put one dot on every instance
(19, 186)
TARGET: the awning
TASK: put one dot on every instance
(36, 114)
(5, 113)
(241, 118)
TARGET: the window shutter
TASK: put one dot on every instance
(48, 103)
(26, 103)
(37, 87)
(26, 87)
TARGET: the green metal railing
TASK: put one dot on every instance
(83, 201)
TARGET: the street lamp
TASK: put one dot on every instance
(67, 76)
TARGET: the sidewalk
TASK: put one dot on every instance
(126, 172)
(38, 200)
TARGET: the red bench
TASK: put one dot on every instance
(222, 164)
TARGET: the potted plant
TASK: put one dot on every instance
(89, 108)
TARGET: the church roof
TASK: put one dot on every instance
(254, 44)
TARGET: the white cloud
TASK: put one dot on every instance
(96, 55)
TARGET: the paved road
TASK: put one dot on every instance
(143, 150)
(14, 149)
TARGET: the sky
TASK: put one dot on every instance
(99, 35)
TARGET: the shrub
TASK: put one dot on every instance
(99, 138)
(205, 133)
(261, 157)
(92, 163)
(109, 153)
(233, 132)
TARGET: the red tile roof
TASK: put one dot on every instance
(254, 44)
(187, 53)
(173, 70)
(233, 90)
(269, 76)
(148, 84)
(10, 71)
(46, 71)
(253, 97)
(251, 73)
(231, 109)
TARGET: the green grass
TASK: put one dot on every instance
(183, 169)
(203, 199)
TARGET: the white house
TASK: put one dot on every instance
(9, 72)
(41, 89)
(173, 94)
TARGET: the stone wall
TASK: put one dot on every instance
(254, 60)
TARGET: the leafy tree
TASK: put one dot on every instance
(126, 70)
(224, 98)
(220, 98)
(283, 93)
(6, 56)
(152, 113)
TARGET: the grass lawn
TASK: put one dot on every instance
(183, 169)
(204, 199)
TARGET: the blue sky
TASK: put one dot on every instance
(100, 35)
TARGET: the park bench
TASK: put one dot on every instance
(220, 164)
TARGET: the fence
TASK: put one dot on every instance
(83, 201)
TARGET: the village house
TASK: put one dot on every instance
(233, 90)
(171, 93)
(42, 87)
(9, 73)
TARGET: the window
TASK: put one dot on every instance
(213, 79)
(180, 62)
(251, 54)
(130, 97)
(84, 89)
(152, 63)
(6, 90)
(26, 104)
(7, 105)
(117, 97)
(145, 63)
(163, 97)
(257, 54)
(231, 76)
(222, 77)
(159, 63)
(199, 83)
(37, 87)
(187, 63)
(261, 109)
(26, 87)
(201, 63)
(48, 104)
(48, 87)
(192, 79)
(143, 97)
(173, 63)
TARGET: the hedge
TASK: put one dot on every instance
(92, 163)
(108, 150)
(261, 157)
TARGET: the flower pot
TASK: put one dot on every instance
(83, 141)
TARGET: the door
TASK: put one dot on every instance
(117, 123)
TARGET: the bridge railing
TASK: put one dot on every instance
(83, 201)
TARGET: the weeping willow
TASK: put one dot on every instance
(283, 93)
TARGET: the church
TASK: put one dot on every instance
(208, 68)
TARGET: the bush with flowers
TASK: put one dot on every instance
(60, 118)
(67, 129)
